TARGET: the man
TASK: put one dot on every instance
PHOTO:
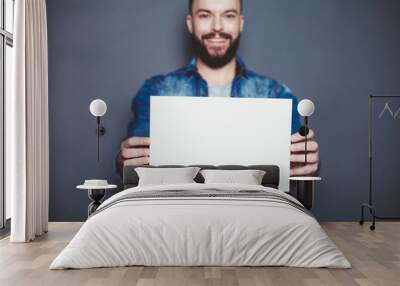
(215, 27)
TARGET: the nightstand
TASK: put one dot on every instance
(96, 192)
(305, 190)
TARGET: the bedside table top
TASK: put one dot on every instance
(86, 187)
(305, 178)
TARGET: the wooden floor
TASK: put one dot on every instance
(375, 257)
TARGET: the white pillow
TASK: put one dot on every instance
(165, 176)
(248, 177)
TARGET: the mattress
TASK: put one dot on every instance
(201, 225)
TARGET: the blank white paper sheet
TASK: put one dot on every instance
(221, 131)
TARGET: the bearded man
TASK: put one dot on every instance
(215, 71)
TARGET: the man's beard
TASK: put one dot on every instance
(215, 61)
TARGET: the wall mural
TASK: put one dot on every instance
(311, 48)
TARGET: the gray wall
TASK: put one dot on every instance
(333, 52)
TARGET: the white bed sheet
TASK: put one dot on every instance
(200, 232)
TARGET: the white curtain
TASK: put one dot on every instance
(27, 124)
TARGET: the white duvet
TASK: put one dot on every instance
(195, 231)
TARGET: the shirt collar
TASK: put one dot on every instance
(241, 69)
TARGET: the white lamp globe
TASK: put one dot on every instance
(306, 108)
(98, 107)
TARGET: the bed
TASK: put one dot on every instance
(201, 224)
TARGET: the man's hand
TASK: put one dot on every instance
(297, 156)
(134, 151)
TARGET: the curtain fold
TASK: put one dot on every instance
(28, 124)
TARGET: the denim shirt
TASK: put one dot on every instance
(188, 82)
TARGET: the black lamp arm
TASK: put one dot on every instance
(304, 132)
(100, 130)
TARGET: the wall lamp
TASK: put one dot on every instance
(98, 108)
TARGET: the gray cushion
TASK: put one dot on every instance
(248, 177)
(165, 176)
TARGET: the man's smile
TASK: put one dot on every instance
(217, 41)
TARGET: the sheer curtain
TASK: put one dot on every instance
(27, 124)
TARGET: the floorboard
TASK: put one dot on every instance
(375, 257)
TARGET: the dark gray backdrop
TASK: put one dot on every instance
(333, 52)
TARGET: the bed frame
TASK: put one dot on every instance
(271, 177)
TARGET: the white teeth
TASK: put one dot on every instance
(216, 40)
